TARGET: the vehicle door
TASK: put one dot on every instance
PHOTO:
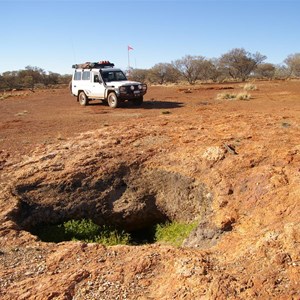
(97, 86)
(76, 82)
(86, 83)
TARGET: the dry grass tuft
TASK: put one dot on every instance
(5, 95)
(243, 96)
(239, 96)
(250, 87)
(226, 96)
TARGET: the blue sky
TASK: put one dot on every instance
(53, 35)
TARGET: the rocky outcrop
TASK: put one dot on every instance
(82, 179)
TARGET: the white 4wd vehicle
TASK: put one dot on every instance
(104, 82)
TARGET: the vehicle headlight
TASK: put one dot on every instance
(132, 87)
(140, 86)
(122, 89)
(144, 87)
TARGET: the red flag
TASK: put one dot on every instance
(130, 48)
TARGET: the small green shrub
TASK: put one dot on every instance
(82, 230)
(109, 237)
(85, 230)
(173, 233)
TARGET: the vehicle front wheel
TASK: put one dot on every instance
(112, 100)
(83, 99)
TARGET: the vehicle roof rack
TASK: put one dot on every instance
(94, 65)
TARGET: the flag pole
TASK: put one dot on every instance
(128, 50)
(128, 58)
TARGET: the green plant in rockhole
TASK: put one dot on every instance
(173, 233)
(83, 230)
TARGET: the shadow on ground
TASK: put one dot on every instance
(151, 104)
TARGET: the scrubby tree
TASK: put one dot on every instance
(28, 82)
(239, 64)
(215, 72)
(265, 70)
(162, 73)
(208, 70)
(190, 67)
(138, 75)
(11, 80)
(282, 72)
(38, 75)
(51, 78)
(64, 79)
(158, 73)
(2, 85)
(293, 64)
(31, 77)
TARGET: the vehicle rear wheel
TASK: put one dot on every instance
(83, 99)
(138, 101)
(112, 100)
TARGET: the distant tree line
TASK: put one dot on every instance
(237, 64)
(31, 78)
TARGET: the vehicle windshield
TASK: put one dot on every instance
(113, 76)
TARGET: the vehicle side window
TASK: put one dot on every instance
(120, 76)
(77, 76)
(111, 76)
(86, 76)
(105, 76)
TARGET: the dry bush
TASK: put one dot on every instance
(243, 96)
(5, 96)
(228, 96)
(8, 95)
(250, 87)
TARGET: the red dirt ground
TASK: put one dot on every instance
(47, 116)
